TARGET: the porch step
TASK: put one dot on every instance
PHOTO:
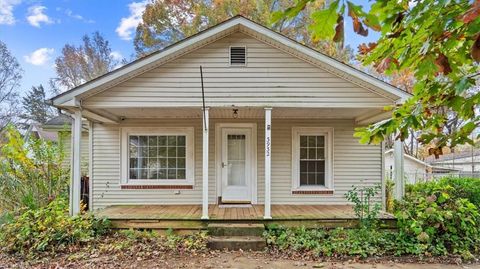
(236, 229)
(237, 242)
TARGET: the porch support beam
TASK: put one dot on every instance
(205, 165)
(268, 162)
(399, 176)
(76, 163)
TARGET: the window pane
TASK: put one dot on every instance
(303, 166)
(181, 174)
(172, 174)
(181, 162)
(152, 163)
(133, 162)
(162, 152)
(320, 166)
(303, 153)
(143, 141)
(320, 179)
(133, 173)
(162, 140)
(303, 141)
(143, 173)
(172, 141)
(142, 162)
(172, 152)
(311, 166)
(163, 162)
(143, 152)
(172, 163)
(312, 141)
(181, 140)
(320, 153)
(152, 173)
(152, 141)
(311, 179)
(312, 153)
(152, 152)
(162, 173)
(320, 141)
(303, 179)
(181, 151)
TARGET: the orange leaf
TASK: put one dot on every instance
(443, 65)
(472, 13)
(364, 49)
(339, 30)
(476, 49)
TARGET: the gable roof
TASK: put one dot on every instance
(390, 151)
(216, 32)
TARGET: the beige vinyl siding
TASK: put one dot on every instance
(352, 164)
(270, 78)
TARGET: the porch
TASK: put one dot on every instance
(188, 217)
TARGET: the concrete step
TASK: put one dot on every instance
(235, 229)
(237, 242)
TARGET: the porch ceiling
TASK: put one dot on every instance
(358, 114)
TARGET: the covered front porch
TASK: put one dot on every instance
(187, 217)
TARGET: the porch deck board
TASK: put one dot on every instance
(254, 212)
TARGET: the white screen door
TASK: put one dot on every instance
(236, 165)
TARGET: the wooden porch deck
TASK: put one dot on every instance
(188, 216)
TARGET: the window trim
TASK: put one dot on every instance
(296, 133)
(189, 155)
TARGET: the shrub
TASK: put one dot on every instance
(31, 172)
(49, 229)
(361, 242)
(366, 209)
(433, 220)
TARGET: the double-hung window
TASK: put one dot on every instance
(312, 158)
(161, 156)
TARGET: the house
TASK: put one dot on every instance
(275, 128)
(415, 170)
(463, 163)
(37, 131)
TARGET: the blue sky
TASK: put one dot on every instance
(35, 31)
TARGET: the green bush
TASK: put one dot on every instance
(362, 242)
(49, 229)
(468, 188)
(434, 220)
(31, 172)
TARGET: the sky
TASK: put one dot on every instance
(35, 31)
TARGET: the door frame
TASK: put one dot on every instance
(218, 157)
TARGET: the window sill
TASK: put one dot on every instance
(155, 187)
(321, 191)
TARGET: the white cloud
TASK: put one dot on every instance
(73, 15)
(116, 55)
(40, 56)
(6, 11)
(36, 16)
(129, 24)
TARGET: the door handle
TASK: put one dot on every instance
(223, 165)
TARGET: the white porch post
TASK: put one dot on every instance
(76, 171)
(205, 165)
(268, 162)
(399, 170)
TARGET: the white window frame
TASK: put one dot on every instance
(188, 132)
(296, 133)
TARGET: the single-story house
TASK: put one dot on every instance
(462, 163)
(275, 126)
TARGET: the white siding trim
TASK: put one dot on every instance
(190, 153)
(328, 133)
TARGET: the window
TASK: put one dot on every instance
(312, 158)
(157, 156)
(238, 56)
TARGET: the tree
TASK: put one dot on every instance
(10, 76)
(168, 21)
(438, 41)
(90, 60)
(34, 107)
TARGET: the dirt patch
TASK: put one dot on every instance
(219, 259)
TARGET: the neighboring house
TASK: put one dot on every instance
(37, 131)
(415, 170)
(60, 126)
(277, 129)
(466, 163)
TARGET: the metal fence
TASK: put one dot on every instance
(412, 178)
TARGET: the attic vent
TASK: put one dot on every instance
(238, 55)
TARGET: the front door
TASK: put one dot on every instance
(236, 165)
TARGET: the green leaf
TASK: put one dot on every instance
(325, 21)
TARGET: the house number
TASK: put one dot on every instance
(267, 146)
